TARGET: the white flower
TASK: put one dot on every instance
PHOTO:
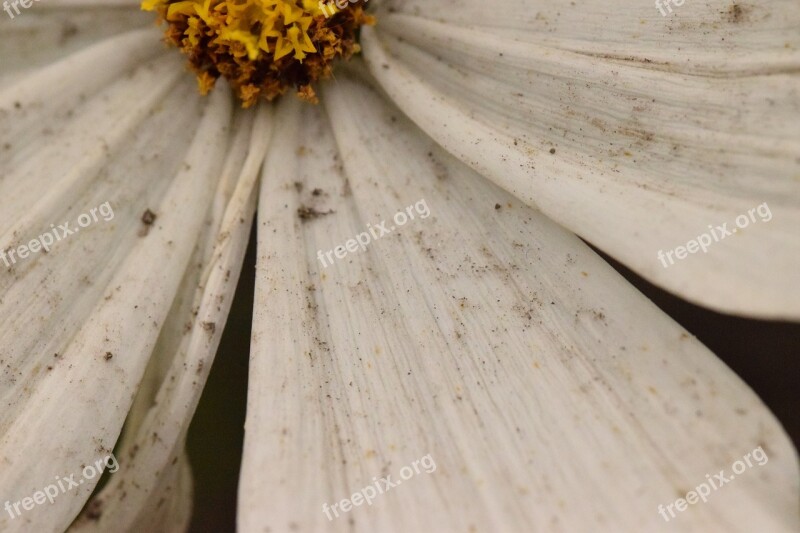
(551, 394)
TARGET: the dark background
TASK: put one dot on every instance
(763, 353)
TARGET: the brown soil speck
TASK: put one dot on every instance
(95, 509)
(736, 14)
(310, 213)
(67, 31)
(211, 327)
(108, 356)
(148, 218)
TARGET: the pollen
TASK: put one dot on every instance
(264, 48)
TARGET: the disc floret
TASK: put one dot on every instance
(262, 47)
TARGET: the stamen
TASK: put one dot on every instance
(262, 47)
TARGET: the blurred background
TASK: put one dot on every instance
(763, 354)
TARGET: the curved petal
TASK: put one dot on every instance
(57, 29)
(549, 394)
(697, 37)
(132, 500)
(636, 154)
(82, 317)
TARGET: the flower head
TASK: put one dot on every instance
(262, 47)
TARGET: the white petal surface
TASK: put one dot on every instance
(658, 128)
(551, 395)
(704, 35)
(83, 321)
(132, 499)
(55, 29)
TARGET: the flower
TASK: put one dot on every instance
(550, 393)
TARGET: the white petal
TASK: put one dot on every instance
(551, 395)
(700, 37)
(647, 155)
(81, 322)
(50, 31)
(132, 499)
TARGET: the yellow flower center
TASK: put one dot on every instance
(262, 47)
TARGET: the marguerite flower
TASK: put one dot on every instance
(486, 335)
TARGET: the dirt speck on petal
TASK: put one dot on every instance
(148, 219)
(94, 510)
(310, 213)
